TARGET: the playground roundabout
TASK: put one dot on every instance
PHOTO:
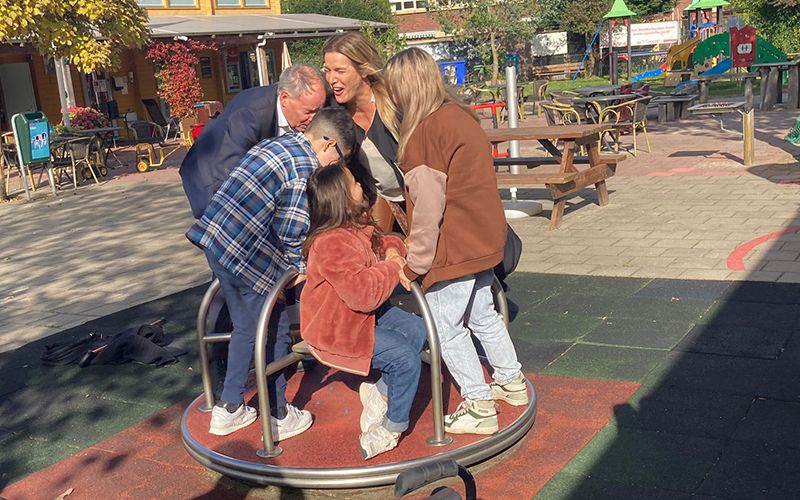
(327, 456)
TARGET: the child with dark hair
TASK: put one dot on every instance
(351, 271)
(251, 232)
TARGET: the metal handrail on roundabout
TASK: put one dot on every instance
(346, 477)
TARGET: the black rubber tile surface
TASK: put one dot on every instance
(751, 341)
(636, 332)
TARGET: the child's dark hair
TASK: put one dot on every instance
(337, 124)
(331, 207)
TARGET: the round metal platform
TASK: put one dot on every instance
(326, 456)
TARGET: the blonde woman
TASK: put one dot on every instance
(352, 67)
(456, 237)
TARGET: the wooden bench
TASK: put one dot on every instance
(551, 70)
(569, 179)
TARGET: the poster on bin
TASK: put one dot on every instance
(40, 140)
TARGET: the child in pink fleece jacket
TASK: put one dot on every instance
(351, 273)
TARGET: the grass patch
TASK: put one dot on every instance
(718, 88)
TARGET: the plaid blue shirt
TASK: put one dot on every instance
(256, 223)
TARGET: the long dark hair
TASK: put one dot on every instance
(331, 207)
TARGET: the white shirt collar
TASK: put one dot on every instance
(283, 124)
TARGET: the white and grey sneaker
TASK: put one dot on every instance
(295, 422)
(223, 422)
(375, 407)
(472, 417)
(377, 440)
(514, 392)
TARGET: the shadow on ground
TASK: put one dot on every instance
(49, 413)
(716, 414)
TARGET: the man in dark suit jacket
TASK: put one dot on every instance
(253, 115)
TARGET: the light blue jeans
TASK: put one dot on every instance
(448, 302)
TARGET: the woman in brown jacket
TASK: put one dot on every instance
(457, 233)
(351, 272)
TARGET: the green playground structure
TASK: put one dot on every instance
(794, 134)
(718, 47)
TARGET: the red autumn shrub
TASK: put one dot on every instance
(179, 84)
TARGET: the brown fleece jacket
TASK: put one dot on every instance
(456, 220)
(345, 284)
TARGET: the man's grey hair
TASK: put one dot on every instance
(300, 79)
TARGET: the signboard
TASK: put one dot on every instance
(663, 33)
(39, 134)
(743, 46)
(549, 44)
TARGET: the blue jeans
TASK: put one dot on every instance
(448, 303)
(244, 305)
(399, 337)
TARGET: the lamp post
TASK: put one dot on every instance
(618, 11)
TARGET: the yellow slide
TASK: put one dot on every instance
(679, 59)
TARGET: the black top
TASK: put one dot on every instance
(381, 137)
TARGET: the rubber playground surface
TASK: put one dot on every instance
(648, 388)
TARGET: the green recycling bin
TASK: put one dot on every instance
(32, 135)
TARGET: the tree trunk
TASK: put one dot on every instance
(590, 66)
(495, 62)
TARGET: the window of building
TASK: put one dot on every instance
(408, 5)
(242, 3)
(167, 3)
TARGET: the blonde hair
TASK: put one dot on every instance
(368, 62)
(417, 89)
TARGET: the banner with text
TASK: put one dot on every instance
(663, 33)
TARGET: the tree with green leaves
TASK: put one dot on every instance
(584, 17)
(91, 33)
(778, 21)
(310, 51)
(648, 7)
(487, 25)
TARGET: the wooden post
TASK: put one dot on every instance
(748, 131)
(612, 55)
(628, 22)
(704, 84)
(794, 86)
(770, 97)
(748, 93)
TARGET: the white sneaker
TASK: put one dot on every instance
(514, 392)
(224, 423)
(377, 440)
(295, 422)
(375, 407)
(472, 417)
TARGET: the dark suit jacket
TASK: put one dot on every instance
(247, 120)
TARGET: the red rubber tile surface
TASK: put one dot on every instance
(148, 460)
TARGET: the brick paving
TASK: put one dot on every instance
(677, 212)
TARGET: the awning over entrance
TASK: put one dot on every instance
(282, 26)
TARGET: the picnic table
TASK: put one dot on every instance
(673, 107)
(597, 90)
(568, 179)
(705, 82)
(772, 83)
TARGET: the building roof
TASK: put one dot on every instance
(282, 26)
(619, 9)
(416, 23)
